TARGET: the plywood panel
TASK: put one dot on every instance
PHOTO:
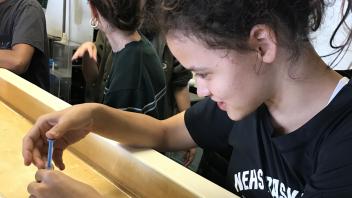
(143, 172)
(14, 176)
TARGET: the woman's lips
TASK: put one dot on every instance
(222, 105)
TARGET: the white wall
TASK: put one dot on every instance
(54, 16)
(78, 29)
(321, 38)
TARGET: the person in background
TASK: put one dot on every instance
(96, 73)
(177, 98)
(136, 81)
(23, 40)
(271, 98)
(43, 3)
(177, 95)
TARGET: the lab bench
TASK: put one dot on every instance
(113, 169)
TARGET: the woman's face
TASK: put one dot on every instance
(229, 78)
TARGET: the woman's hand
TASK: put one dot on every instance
(189, 156)
(65, 127)
(55, 184)
(87, 47)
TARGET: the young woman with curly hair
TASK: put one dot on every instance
(271, 98)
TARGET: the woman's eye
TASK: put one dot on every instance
(202, 75)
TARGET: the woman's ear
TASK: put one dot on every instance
(263, 40)
(94, 11)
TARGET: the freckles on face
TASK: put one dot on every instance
(233, 83)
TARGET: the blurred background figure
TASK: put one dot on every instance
(23, 40)
(134, 79)
(177, 98)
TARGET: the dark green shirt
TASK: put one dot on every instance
(95, 90)
(136, 82)
(176, 75)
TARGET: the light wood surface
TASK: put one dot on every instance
(14, 176)
(104, 164)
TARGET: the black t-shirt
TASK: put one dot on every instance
(23, 22)
(312, 161)
(136, 82)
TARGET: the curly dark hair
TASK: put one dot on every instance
(126, 15)
(227, 24)
(341, 50)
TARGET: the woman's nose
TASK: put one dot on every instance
(202, 89)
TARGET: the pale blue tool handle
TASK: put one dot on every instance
(50, 153)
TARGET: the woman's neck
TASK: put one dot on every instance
(119, 39)
(303, 90)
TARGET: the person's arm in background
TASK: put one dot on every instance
(182, 98)
(88, 52)
(17, 59)
(90, 68)
(92, 55)
(177, 78)
(180, 78)
(183, 102)
(179, 82)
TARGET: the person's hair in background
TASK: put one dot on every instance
(126, 15)
(136, 80)
(120, 17)
(151, 26)
(227, 24)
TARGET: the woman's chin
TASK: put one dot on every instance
(236, 115)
